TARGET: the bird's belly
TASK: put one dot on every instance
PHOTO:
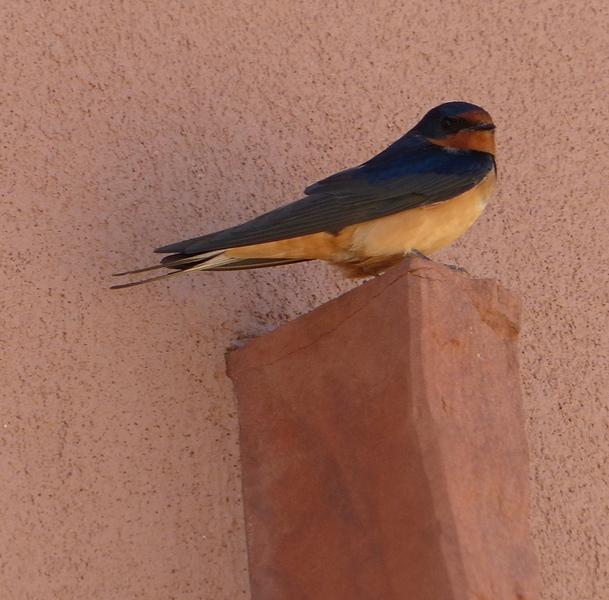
(426, 229)
(373, 246)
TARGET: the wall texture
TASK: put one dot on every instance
(127, 125)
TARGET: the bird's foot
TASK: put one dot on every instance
(418, 254)
(456, 268)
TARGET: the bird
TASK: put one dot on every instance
(413, 198)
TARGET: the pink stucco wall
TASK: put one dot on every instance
(126, 125)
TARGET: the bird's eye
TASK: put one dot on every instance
(448, 123)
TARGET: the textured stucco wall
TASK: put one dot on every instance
(126, 125)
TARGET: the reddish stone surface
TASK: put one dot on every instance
(383, 446)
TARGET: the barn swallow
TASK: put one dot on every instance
(413, 198)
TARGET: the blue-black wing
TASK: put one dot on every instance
(408, 174)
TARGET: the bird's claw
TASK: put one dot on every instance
(456, 268)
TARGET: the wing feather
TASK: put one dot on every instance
(397, 179)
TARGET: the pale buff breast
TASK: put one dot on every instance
(426, 229)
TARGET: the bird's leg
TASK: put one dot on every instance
(418, 254)
(457, 268)
(415, 252)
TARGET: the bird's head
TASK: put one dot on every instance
(458, 125)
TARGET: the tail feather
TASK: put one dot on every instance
(141, 281)
(242, 264)
(209, 261)
(182, 261)
(136, 271)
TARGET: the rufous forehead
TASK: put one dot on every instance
(477, 116)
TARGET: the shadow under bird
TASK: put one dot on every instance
(413, 198)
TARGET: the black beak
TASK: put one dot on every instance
(482, 126)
